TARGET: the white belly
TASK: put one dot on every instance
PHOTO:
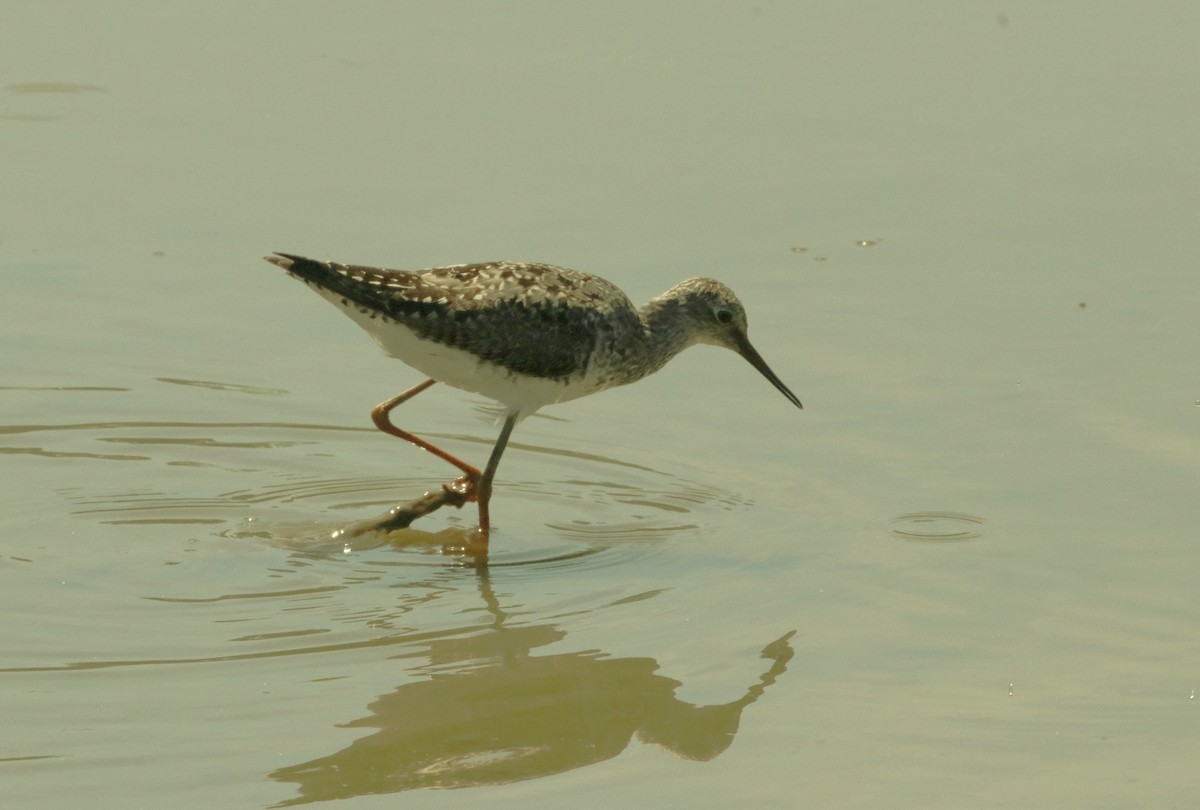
(517, 393)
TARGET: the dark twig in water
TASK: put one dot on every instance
(400, 517)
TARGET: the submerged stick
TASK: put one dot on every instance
(400, 517)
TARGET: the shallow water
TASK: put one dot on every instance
(963, 575)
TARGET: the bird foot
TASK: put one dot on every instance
(463, 489)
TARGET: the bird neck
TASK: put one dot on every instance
(662, 336)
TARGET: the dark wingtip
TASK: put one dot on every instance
(285, 260)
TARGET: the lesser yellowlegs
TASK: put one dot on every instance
(525, 335)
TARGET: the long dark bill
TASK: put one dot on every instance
(755, 359)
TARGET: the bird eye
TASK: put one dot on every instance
(723, 315)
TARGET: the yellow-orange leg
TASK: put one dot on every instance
(484, 488)
(380, 415)
(475, 485)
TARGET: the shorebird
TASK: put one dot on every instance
(525, 335)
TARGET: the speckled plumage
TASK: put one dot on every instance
(532, 319)
(564, 333)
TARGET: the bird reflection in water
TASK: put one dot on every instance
(492, 713)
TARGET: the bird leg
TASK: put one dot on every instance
(465, 487)
(473, 485)
(483, 490)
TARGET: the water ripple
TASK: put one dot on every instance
(937, 527)
(570, 508)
